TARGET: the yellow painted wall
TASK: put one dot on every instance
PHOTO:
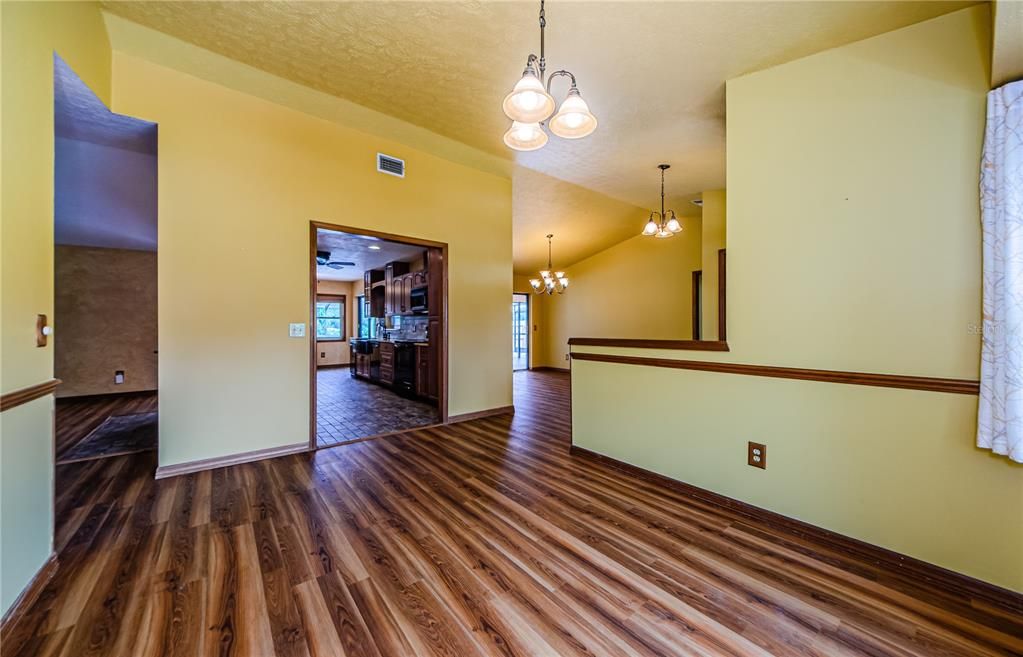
(853, 243)
(31, 33)
(640, 288)
(713, 223)
(243, 176)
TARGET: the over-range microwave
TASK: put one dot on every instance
(418, 300)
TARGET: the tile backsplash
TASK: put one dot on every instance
(408, 327)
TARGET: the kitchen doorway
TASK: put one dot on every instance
(520, 331)
(378, 334)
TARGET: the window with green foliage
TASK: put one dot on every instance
(330, 318)
(367, 327)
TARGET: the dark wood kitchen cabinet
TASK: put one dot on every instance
(422, 371)
(434, 281)
(374, 292)
(386, 363)
(406, 293)
(393, 274)
(363, 365)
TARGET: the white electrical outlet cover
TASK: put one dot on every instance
(296, 330)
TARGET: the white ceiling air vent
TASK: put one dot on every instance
(390, 165)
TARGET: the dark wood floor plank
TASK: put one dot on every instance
(481, 538)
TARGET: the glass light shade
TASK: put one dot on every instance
(559, 274)
(650, 228)
(564, 282)
(535, 282)
(663, 233)
(525, 136)
(528, 102)
(573, 120)
(673, 225)
(545, 274)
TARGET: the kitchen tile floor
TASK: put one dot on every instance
(348, 409)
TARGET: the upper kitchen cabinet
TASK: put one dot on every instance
(434, 280)
(393, 274)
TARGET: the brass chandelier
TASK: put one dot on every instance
(530, 104)
(550, 281)
(663, 224)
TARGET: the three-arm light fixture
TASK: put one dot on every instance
(530, 104)
(550, 281)
(665, 223)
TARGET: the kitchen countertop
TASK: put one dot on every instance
(418, 343)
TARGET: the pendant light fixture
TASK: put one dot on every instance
(665, 224)
(530, 104)
(550, 281)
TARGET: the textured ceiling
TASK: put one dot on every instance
(345, 247)
(583, 222)
(104, 170)
(78, 114)
(652, 72)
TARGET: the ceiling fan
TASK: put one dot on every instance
(323, 259)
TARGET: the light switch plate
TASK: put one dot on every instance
(296, 330)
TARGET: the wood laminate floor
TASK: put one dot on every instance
(78, 416)
(481, 538)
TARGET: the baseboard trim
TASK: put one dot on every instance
(910, 567)
(16, 612)
(478, 415)
(548, 368)
(190, 467)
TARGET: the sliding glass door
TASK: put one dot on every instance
(520, 331)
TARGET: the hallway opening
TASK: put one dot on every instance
(105, 277)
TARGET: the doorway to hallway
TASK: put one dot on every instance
(520, 331)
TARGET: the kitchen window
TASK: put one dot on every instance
(366, 326)
(330, 317)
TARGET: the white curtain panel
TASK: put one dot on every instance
(1000, 416)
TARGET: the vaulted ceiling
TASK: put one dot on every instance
(653, 72)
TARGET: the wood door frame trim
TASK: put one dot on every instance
(16, 398)
(908, 566)
(696, 301)
(442, 355)
(639, 343)
(931, 384)
(722, 295)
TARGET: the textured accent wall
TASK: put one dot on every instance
(104, 320)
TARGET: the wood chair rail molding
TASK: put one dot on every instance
(687, 345)
(21, 396)
(932, 384)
